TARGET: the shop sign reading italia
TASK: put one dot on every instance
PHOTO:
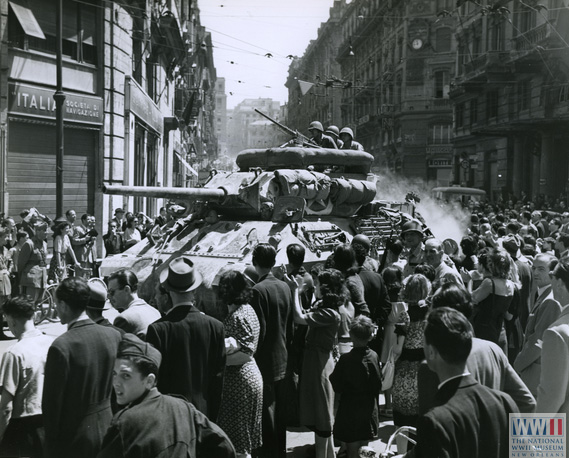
(38, 102)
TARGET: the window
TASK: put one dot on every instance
(441, 84)
(459, 115)
(476, 42)
(153, 80)
(473, 112)
(32, 25)
(496, 32)
(441, 134)
(524, 94)
(492, 104)
(137, 49)
(526, 19)
(443, 39)
(564, 93)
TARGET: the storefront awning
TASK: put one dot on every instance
(27, 19)
(188, 166)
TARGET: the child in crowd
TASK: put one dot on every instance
(357, 379)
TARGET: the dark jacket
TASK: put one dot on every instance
(77, 389)
(376, 296)
(468, 421)
(488, 364)
(325, 142)
(357, 378)
(160, 426)
(193, 356)
(272, 301)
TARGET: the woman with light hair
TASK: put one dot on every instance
(493, 298)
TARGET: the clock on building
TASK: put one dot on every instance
(417, 43)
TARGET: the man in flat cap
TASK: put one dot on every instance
(77, 386)
(152, 424)
(191, 342)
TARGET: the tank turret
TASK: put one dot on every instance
(311, 196)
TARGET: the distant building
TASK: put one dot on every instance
(245, 129)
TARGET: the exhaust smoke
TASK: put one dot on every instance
(446, 220)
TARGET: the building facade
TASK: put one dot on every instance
(465, 93)
(139, 82)
(221, 116)
(395, 63)
(314, 85)
(511, 98)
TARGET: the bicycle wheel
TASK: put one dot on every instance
(51, 314)
(43, 306)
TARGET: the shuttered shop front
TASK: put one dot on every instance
(31, 167)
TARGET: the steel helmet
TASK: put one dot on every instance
(363, 240)
(316, 125)
(347, 130)
(333, 130)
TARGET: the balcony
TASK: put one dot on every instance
(492, 60)
(527, 41)
(432, 104)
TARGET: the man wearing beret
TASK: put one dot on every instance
(152, 424)
(191, 342)
(77, 386)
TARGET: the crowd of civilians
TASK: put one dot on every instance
(475, 328)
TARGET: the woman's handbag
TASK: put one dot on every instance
(388, 371)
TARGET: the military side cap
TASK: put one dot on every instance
(132, 346)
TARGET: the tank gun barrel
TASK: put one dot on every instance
(218, 194)
(295, 134)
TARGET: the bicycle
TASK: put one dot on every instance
(45, 307)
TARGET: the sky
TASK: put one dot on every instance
(245, 31)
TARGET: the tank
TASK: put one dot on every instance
(313, 196)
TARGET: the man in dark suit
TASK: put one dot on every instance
(191, 342)
(545, 310)
(469, 419)
(375, 292)
(272, 301)
(78, 373)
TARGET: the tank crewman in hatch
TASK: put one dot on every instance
(347, 137)
(334, 132)
(318, 136)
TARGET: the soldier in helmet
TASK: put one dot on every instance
(318, 137)
(334, 132)
(347, 137)
(412, 235)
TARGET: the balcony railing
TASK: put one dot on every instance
(530, 39)
(494, 59)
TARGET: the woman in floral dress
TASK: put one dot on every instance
(242, 396)
(409, 347)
